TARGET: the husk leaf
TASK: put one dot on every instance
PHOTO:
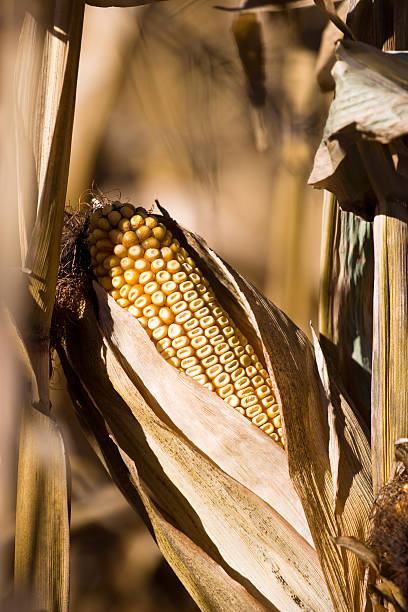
(217, 478)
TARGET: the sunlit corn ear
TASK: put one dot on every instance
(150, 273)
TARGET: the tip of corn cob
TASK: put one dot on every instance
(136, 258)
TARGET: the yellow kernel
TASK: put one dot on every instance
(260, 419)
(248, 401)
(268, 401)
(175, 330)
(180, 257)
(242, 382)
(217, 339)
(214, 370)
(124, 291)
(124, 225)
(221, 348)
(151, 287)
(212, 331)
(151, 254)
(257, 381)
(143, 232)
(105, 282)
(223, 321)
(150, 222)
(158, 298)
(239, 373)
(131, 276)
(267, 428)
(127, 263)
(272, 411)
(175, 245)
(159, 232)
(258, 365)
(202, 312)
(120, 251)
(115, 293)
(280, 432)
(226, 390)
(245, 360)
(168, 287)
(210, 361)
(186, 351)
(228, 331)
(233, 401)
(115, 271)
(277, 421)
(191, 324)
(150, 311)
(146, 277)
(129, 238)
(183, 317)
(226, 357)
(174, 362)
(160, 332)
(186, 286)
(123, 302)
(199, 377)
(118, 282)
(179, 277)
(142, 301)
(127, 211)
(199, 286)
(157, 265)
(151, 243)
(221, 380)
(239, 351)
(244, 392)
(167, 239)
(173, 298)
(135, 292)
(173, 266)
(136, 251)
(204, 351)
(180, 342)
(249, 349)
(206, 322)
(187, 268)
(179, 306)
(193, 333)
(209, 386)
(136, 221)
(208, 296)
(136, 312)
(198, 342)
(188, 362)
(163, 343)
(231, 366)
(196, 304)
(263, 391)
(154, 322)
(166, 315)
(143, 322)
(251, 371)
(141, 265)
(190, 295)
(166, 253)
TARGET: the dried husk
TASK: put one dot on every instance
(214, 476)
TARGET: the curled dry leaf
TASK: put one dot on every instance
(205, 473)
(370, 105)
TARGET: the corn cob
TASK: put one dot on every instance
(145, 269)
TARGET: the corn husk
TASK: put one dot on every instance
(216, 478)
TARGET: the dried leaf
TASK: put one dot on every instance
(361, 550)
(370, 104)
(42, 530)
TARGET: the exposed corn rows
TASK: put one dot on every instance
(137, 260)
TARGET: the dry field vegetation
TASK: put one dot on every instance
(124, 484)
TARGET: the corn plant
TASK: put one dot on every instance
(281, 516)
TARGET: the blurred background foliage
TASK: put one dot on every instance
(163, 112)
